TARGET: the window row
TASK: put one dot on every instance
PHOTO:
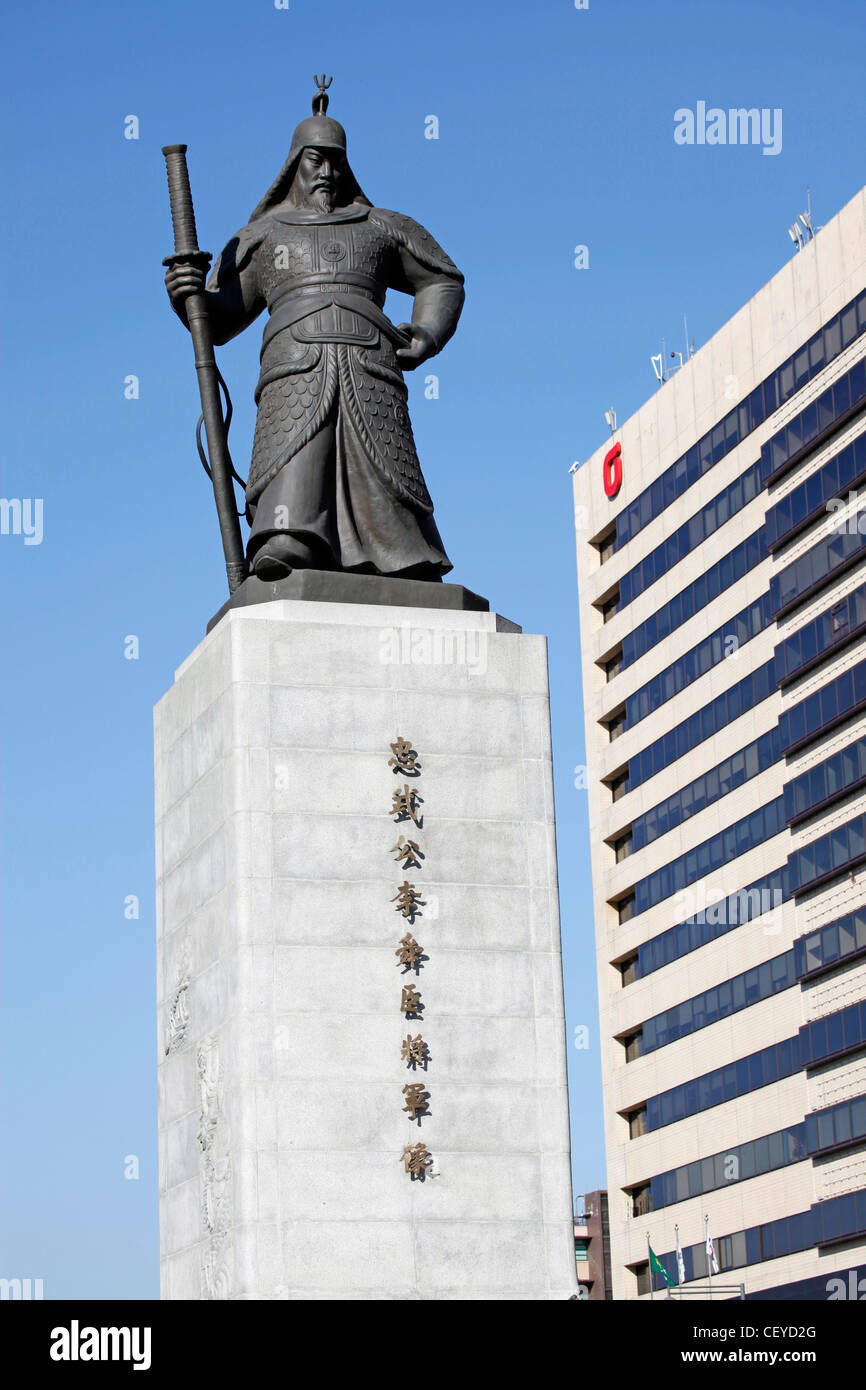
(838, 1218)
(833, 777)
(811, 423)
(840, 1124)
(724, 642)
(760, 825)
(829, 854)
(834, 942)
(690, 600)
(692, 533)
(714, 920)
(835, 625)
(822, 348)
(844, 1031)
(806, 502)
(758, 685)
(735, 1164)
(735, 1079)
(703, 791)
(761, 982)
(823, 709)
(818, 565)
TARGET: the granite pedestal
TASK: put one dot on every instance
(283, 1132)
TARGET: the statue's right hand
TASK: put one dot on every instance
(183, 280)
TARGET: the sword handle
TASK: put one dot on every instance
(180, 196)
(186, 249)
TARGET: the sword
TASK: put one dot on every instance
(186, 252)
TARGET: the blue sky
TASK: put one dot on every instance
(555, 130)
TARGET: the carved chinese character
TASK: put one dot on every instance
(416, 1159)
(410, 1002)
(409, 901)
(407, 853)
(405, 803)
(414, 1052)
(405, 758)
(409, 953)
(416, 1100)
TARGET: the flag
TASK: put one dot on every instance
(656, 1267)
(681, 1268)
(712, 1262)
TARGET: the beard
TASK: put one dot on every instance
(322, 199)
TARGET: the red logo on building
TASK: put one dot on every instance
(612, 470)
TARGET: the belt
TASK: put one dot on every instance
(300, 300)
(326, 277)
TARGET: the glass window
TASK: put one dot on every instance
(761, 1149)
(768, 1245)
(799, 1237)
(781, 1237)
(825, 1129)
(842, 1124)
(841, 396)
(847, 939)
(693, 1171)
(835, 1034)
(725, 1004)
(847, 1214)
(852, 1025)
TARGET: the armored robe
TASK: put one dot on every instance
(334, 468)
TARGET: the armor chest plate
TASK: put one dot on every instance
(291, 252)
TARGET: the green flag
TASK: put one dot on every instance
(656, 1267)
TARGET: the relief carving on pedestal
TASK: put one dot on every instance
(215, 1174)
(178, 1012)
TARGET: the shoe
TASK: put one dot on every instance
(268, 568)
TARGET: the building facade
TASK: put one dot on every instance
(592, 1247)
(721, 540)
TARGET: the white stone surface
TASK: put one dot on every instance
(280, 1097)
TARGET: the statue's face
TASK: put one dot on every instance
(317, 178)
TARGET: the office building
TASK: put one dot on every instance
(721, 539)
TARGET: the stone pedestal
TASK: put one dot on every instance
(281, 1101)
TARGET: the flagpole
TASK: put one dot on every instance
(649, 1255)
(707, 1252)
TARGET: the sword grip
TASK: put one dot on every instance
(186, 249)
(180, 196)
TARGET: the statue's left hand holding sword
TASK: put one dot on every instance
(185, 281)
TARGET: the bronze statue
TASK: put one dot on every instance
(334, 482)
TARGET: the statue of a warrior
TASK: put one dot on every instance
(334, 482)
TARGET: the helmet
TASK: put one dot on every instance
(323, 132)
